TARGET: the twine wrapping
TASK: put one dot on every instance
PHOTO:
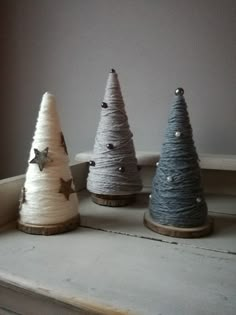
(177, 197)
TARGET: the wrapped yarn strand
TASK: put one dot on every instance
(178, 201)
(113, 173)
(48, 204)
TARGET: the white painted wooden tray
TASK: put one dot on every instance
(114, 265)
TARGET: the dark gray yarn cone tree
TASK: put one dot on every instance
(114, 177)
(177, 201)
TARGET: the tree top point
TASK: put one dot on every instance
(179, 91)
(48, 95)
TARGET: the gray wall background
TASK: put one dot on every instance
(68, 46)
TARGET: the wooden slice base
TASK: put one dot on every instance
(49, 229)
(178, 232)
(113, 200)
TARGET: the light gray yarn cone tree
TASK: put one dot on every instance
(114, 176)
(177, 205)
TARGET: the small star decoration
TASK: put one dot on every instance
(63, 143)
(22, 197)
(41, 158)
(66, 188)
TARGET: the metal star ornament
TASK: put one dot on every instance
(63, 143)
(66, 188)
(41, 158)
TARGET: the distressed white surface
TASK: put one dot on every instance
(129, 220)
(207, 161)
(145, 276)
(9, 198)
(124, 269)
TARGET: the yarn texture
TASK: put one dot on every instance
(177, 197)
(113, 169)
(45, 198)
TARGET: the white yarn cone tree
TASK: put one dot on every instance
(48, 203)
(113, 173)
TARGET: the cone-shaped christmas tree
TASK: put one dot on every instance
(48, 203)
(177, 204)
(113, 173)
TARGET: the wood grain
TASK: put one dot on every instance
(27, 298)
(194, 232)
(97, 270)
(49, 229)
(112, 200)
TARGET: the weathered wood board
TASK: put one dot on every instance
(129, 221)
(117, 274)
(114, 265)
